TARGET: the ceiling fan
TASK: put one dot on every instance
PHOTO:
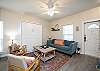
(54, 6)
(51, 8)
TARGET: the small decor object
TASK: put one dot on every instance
(12, 36)
(44, 46)
(49, 37)
(77, 28)
(56, 28)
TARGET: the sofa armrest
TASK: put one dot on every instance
(49, 42)
(17, 61)
(73, 45)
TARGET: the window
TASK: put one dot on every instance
(93, 26)
(68, 32)
(1, 36)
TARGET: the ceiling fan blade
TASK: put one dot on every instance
(47, 12)
(45, 8)
(54, 1)
(56, 12)
(44, 13)
(43, 2)
(59, 6)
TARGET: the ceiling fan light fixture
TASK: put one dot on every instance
(51, 11)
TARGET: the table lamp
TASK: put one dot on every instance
(12, 37)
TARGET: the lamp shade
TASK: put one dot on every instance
(12, 35)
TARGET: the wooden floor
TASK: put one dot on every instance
(80, 63)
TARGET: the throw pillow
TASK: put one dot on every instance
(29, 62)
(59, 42)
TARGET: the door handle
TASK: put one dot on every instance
(84, 38)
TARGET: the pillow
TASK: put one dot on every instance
(59, 42)
(29, 62)
(67, 43)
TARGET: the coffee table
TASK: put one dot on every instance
(46, 53)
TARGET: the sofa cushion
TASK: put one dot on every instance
(52, 45)
(59, 42)
(62, 47)
(67, 43)
(65, 48)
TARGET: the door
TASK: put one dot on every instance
(92, 38)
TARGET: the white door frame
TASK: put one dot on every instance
(83, 32)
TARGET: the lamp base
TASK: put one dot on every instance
(12, 42)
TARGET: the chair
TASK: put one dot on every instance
(18, 63)
(14, 48)
(17, 49)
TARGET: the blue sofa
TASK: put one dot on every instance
(69, 47)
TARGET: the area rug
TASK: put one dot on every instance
(55, 63)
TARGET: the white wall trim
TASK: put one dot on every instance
(91, 20)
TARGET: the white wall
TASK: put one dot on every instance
(76, 20)
(12, 21)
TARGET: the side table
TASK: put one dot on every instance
(78, 50)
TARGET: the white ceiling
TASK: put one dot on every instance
(39, 7)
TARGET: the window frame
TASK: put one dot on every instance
(71, 34)
(1, 36)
